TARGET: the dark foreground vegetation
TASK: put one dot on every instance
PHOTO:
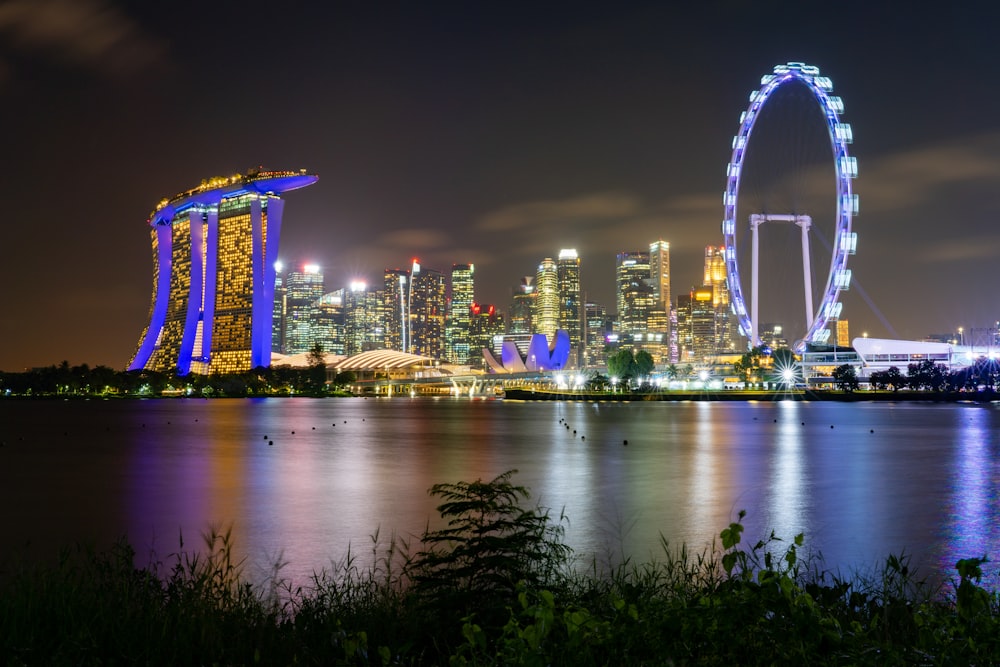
(65, 381)
(496, 586)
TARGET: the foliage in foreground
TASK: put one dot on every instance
(494, 587)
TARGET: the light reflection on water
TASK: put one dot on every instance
(860, 480)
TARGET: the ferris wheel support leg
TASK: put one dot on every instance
(754, 327)
(806, 272)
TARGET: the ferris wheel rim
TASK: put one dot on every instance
(845, 241)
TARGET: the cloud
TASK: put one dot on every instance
(922, 176)
(85, 33)
(960, 250)
(414, 240)
(587, 210)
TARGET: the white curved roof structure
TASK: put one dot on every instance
(375, 360)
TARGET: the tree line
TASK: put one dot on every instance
(981, 375)
(84, 380)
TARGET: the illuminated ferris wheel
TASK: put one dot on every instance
(844, 240)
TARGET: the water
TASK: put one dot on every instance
(862, 481)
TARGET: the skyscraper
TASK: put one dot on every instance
(303, 290)
(395, 315)
(214, 253)
(522, 306)
(659, 274)
(570, 303)
(278, 313)
(682, 316)
(427, 306)
(362, 325)
(545, 318)
(595, 332)
(486, 325)
(633, 293)
(328, 321)
(715, 277)
(703, 321)
(458, 346)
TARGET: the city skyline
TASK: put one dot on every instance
(486, 136)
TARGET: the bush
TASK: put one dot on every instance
(490, 546)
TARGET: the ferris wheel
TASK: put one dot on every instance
(844, 240)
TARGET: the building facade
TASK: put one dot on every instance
(486, 325)
(458, 346)
(545, 318)
(522, 305)
(659, 274)
(633, 292)
(571, 303)
(303, 290)
(214, 253)
(363, 330)
(715, 277)
(395, 311)
(428, 303)
(595, 331)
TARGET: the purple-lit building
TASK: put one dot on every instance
(214, 251)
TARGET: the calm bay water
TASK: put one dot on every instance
(860, 480)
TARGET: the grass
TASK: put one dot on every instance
(495, 587)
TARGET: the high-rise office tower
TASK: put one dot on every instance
(395, 315)
(458, 347)
(685, 352)
(674, 353)
(633, 293)
(522, 306)
(214, 253)
(571, 303)
(545, 318)
(659, 274)
(428, 304)
(715, 276)
(328, 322)
(278, 313)
(362, 322)
(485, 326)
(703, 321)
(302, 291)
(595, 332)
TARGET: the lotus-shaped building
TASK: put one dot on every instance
(540, 357)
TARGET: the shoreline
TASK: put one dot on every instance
(762, 395)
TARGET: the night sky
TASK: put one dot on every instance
(488, 132)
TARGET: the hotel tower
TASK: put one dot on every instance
(214, 252)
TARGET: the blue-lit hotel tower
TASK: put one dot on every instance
(214, 251)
